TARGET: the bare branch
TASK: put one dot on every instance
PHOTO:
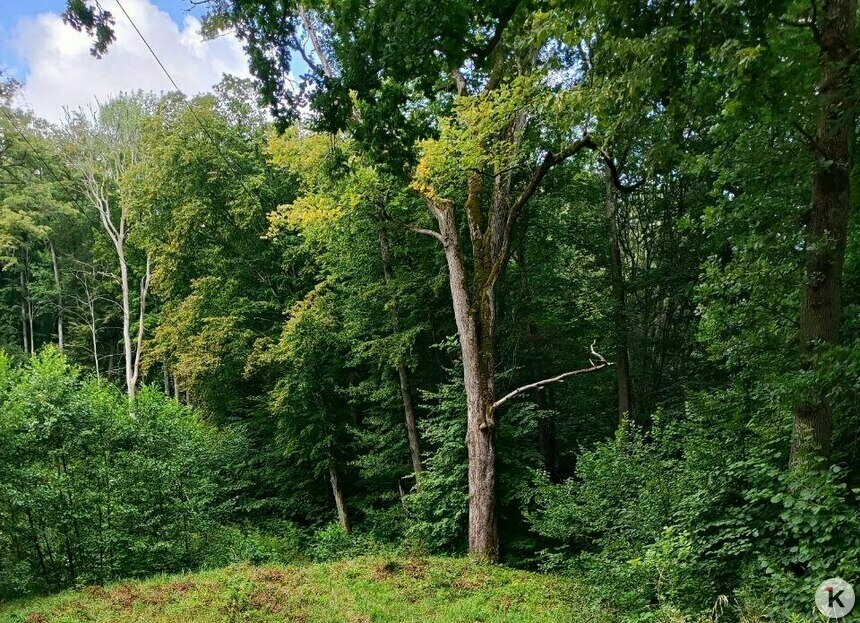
(427, 232)
(599, 365)
(549, 161)
(417, 230)
(312, 33)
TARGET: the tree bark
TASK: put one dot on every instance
(24, 332)
(55, 266)
(144, 290)
(619, 294)
(476, 354)
(821, 305)
(402, 370)
(411, 420)
(29, 300)
(339, 499)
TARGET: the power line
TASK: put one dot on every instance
(197, 118)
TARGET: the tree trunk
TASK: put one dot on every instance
(619, 294)
(339, 499)
(24, 332)
(141, 303)
(29, 302)
(821, 306)
(411, 421)
(126, 322)
(60, 340)
(546, 429)
(476, 354)
(402, 371)
(91, 307)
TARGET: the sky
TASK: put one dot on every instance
(53, 62)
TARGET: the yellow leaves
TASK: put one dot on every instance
(303, 153)
(431, 170)
(306, 214)
(484, 133)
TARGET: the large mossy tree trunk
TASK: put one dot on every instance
(821, 305)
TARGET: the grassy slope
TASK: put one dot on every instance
(357, 591)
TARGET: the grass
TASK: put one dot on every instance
(363, 590)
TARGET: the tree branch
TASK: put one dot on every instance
(417, 230)
(598, 365)
(616, 176)
(549, 161)
(427, 232)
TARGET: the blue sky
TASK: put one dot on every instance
(14, 10)
(53, 61)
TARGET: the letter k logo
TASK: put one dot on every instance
(834, 598)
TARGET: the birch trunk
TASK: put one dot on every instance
(55, 265)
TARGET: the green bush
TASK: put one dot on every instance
(275, 542)
(333, 543)
(94, 487)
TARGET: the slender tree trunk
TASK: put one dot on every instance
(402, 371)
(411, 420)
(339, 499)
(55, 265)
(478, 385)
(141, 317)
(619, 294)
(24, 332)
(126, 322)
(91, 308)
(29, 302)
(546, 429)
(821, 305)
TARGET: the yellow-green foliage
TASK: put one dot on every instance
(362, 590)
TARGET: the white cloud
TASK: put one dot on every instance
(62, 73)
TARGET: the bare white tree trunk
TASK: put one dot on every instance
(54, 264)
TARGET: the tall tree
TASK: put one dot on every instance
(833, 27)
(104, 145)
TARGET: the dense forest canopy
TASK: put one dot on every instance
(570, 285)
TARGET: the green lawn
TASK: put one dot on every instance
(364, 590)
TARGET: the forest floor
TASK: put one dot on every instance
(363, 590)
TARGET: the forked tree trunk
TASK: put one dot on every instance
(55, 266)
(339, 499)
(477, 359)
(821, 305)
(619, 294)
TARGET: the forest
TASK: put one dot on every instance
(564, 287)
